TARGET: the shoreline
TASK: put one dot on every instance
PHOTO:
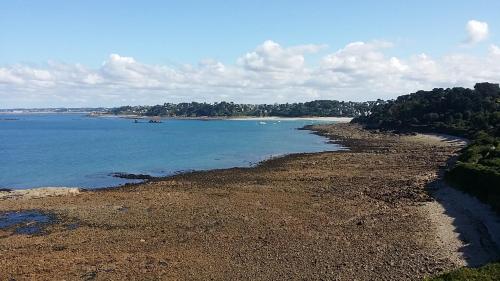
(49, 191)
(344, 214)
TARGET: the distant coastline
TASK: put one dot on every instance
(57, 110)
(239, 118)
(42, 112)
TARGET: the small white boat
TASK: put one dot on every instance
(262, 123)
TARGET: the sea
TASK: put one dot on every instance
(75, 150)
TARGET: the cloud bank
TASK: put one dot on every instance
(267, 74)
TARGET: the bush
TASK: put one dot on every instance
(477, 180)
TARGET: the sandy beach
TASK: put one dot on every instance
(368, 213)
(272, 118)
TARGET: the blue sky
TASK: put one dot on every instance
(176, 34)
(188, 31)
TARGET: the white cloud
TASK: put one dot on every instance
(477, 31)
(269, 73)
(363, 60)
(270, 56)
(8, 77)
(494, 50)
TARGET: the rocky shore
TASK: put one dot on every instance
(347, 215)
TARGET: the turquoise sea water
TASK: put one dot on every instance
(74, 150)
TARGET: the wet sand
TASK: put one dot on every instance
(345, 215)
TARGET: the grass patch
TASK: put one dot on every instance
(489, 272)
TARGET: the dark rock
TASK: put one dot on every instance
(92, 275)
(131, 176)
(59, 247)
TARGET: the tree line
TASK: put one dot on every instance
(460, 111)
(324, 108)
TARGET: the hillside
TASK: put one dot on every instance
(472, 113)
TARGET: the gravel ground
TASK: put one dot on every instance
(346, 215)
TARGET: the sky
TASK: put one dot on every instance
(110, 53)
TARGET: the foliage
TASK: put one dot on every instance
(458, 111)
(478, 170)
(229, 109)
(490, 272)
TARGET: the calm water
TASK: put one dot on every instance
(74, 150)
